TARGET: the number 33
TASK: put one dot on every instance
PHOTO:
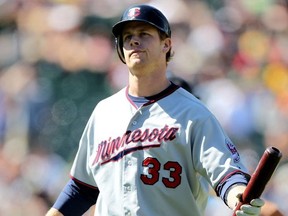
(153, 176)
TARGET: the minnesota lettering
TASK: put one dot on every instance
(123, 145)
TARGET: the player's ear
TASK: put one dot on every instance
(166, 45)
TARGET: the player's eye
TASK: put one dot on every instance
(127, 37)
(143, 34)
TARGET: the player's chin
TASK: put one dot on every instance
(134, 62)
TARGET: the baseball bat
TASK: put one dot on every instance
(260, 177)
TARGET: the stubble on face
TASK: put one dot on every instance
(142, 46)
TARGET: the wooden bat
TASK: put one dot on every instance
(262, 174)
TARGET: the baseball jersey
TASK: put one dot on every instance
(156, 159)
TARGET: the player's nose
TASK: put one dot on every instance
(135, 41)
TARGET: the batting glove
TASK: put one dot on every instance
(252, 209)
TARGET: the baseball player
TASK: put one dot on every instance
(151, 149)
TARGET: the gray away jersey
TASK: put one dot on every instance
(154, 160)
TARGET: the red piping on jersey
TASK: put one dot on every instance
(82, 183)
(154, 98)
(218, 187)
(128, 98)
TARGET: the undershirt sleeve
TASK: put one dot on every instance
(76, 198)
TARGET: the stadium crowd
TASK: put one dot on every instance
(57, 60)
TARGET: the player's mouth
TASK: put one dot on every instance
(135, 52)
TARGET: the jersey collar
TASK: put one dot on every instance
(154, 98)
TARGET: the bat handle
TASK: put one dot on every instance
(260, 177)
(238, 206)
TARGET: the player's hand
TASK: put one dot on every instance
(252, 209)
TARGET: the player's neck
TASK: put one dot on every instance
(147, 86)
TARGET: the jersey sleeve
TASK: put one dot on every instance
(215, 156)
(76, 198)
(80, 169)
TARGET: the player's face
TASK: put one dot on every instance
(142, 46)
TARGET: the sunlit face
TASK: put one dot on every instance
(142, 46)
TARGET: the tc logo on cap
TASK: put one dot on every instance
(134, 12)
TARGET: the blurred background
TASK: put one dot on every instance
(57, 60)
